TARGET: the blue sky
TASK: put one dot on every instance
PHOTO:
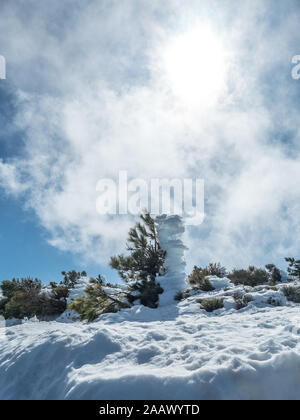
(25, 251)
(160, 90)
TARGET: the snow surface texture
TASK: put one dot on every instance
(174, 352)
(170, 230)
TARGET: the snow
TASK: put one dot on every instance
(219, 283)
(176, 351)
(170, 230)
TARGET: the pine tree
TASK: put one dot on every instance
(274, 273)
(97, 301)
(294, 267)
(24, 298)
(145, 262)
(71, 278)
(198, 279)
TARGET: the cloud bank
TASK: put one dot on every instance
(94, 96)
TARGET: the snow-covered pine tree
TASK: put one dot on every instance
(274, 273)
(97, 300)
(294, 267)
(170, 229)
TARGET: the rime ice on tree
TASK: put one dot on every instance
(170, 230)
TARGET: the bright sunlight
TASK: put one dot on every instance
(194, 64)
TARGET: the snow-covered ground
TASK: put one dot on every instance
(177, 351)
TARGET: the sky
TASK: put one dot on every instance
(161, 90)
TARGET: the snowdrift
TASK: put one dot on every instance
(177, 351)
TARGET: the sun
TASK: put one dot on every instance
(194, 66)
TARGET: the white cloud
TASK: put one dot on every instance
(94, 100)
(9, 179)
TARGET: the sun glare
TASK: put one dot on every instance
(194, 65)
